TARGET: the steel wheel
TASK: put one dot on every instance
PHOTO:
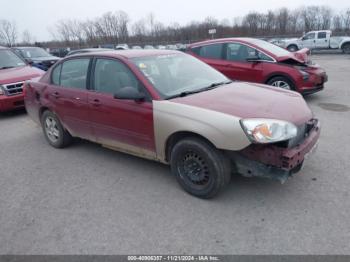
(281, 84)
(51, 129)
(194, 170)
(201, 169)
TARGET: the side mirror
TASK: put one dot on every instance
(129, 93)
(30, 61)
(253, 59)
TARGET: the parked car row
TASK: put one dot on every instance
(37, 57)
(171, 107)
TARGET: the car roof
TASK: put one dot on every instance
(26, 47)
(247, 40)
(130, 53)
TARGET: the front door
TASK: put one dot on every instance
(237, 67)
(126, 125)
(309, 40)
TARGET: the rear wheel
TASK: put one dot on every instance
(54, 132)
(201, 169)
(281, 82)
(292, 48)
(346, 48)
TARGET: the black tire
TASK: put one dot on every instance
(292, 48)
(62, 137)
(201, 169)
(346, 48)
(281, 79)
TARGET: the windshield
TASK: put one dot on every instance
(273, 49)
(34, 52)
(8, 60)
(173, 74)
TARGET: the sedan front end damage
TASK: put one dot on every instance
(278, 160)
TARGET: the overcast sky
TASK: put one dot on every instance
(38, 15)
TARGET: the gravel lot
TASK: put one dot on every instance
(90, 200)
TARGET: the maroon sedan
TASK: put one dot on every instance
(254, 60)
(170, 107)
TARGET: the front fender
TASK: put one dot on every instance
(222, 130)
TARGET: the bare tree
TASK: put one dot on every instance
(115, 27)
(8, 32)
(27, 38)
(123, 24)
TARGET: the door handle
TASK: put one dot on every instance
(96, 102)
(56, 94)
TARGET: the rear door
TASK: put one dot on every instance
(68, 95)
(212, 54)
(123, 124)
(322, 40)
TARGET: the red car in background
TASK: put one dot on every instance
(13, 72)
(254, 60)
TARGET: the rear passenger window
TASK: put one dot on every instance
(56, 75)
(211, 51)
(322, 35)
(74, 73)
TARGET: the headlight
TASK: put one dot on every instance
(302, 71)
(268, 130)
(1, 90)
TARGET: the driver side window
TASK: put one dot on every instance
(239, 52)
(309, 36)
(111, 75)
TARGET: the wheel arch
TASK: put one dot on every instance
(344, 43)
(280, 74)
(174, 138)
(42, 110)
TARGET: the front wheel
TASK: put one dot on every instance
(292, 48)
(53, 130)
(281, 82)
(346, 48)
(201, 169)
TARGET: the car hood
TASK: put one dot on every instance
(246, 100)
(46, 58)
(18, 74)
(301, 56)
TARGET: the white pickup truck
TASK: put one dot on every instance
(319, 40)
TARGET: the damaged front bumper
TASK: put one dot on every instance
(274, 161)
(318, 82)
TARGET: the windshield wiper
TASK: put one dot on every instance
(6, 67)
(214, 85)
(209, 87)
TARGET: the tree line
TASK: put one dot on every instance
(117, 27)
